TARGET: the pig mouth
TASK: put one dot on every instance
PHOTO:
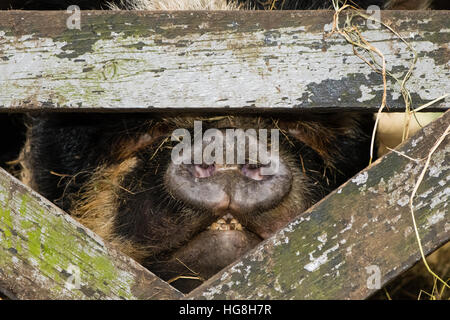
(226, 223)
(206, 253)
(215, 247)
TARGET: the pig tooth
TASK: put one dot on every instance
(214, 226)
(236, 226)
(222, 224)
(224, 227)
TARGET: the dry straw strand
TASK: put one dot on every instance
(411, 199)
(352, 34)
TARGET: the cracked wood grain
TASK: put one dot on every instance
(213, 61)
(333, 249)
(45, 254)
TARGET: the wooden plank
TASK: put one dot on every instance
(212, 61)
(45, 254)
(334, 250)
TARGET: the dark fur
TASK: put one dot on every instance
(67, 150)
(65, 145)
(12, 131)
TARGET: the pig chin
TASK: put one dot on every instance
(216, 247)
(209, 251)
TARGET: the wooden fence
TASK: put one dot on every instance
(228, 62)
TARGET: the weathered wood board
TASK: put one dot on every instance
(213, 60)
(45, 254)
(335, 249)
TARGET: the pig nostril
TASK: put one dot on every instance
(203, 170)
(253, 171)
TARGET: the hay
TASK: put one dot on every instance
(419, 180)
(368, 53)
(352, 34)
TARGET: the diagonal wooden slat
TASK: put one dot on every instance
(336, 248)
(45, 254)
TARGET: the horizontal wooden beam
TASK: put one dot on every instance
(244, 60)
(45, 254)
(356, 239)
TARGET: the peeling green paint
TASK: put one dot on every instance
(115, 61)
(39, 242)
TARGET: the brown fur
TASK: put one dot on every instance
(96, 203)
(309, 131)
(233, 5)
(96, 208)
(321, 138)
(25, 173)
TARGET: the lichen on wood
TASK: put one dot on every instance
(45, 254)
(213, 60)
